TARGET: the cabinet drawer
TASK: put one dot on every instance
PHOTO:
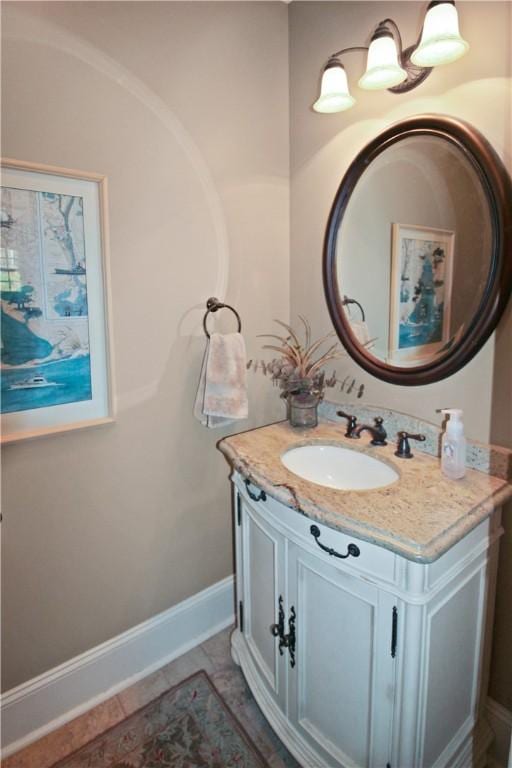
(372, 560)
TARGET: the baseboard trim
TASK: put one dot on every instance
(500, 720)
(47, 702)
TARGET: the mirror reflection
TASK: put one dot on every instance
(413, 252)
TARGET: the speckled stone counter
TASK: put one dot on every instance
(420, 516)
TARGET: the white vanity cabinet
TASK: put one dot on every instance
(370, 660)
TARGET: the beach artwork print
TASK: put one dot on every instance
(45, 305)
(43, 276)
(422, 260)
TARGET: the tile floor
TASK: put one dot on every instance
(214, 656)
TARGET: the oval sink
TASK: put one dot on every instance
(337, 467)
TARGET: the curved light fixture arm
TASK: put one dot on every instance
(415, 75)
(348, 50)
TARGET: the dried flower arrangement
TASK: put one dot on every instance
(297, 371)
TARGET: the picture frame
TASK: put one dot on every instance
(420, 294)
(57, 351)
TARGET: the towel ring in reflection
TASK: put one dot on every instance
(347, 300)
(212, 305)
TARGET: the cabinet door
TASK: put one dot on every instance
(341, 688)
(263, 583)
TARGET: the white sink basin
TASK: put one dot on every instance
(337, 467)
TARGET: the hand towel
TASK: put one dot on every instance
(222, 392)
(361, 332)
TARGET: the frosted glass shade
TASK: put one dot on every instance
(440, 41)
(334, 93)
(382, 68)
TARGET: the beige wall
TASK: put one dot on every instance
(184, 107)
(477, 89)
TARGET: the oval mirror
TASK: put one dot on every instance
(417, 262)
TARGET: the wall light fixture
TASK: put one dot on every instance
(391, 67)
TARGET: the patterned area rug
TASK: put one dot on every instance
(187, 727)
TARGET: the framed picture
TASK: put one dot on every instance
(56, 347)
(421, 288)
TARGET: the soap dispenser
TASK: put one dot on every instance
(453, 445)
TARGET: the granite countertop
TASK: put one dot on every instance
(420, 516)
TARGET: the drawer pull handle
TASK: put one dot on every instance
(261, 496)
(352, 549)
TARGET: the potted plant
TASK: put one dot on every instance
(299, 371)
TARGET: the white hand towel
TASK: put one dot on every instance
(360, 331)
(359, 327)
(222, 392)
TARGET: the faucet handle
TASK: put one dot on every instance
(352, 423)
(403, 450)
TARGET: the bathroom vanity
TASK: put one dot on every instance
(364, 615)
(364, 609)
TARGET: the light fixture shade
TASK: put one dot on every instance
(440, 41)
(382, 68)
(334, 93)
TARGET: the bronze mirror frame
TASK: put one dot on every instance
(498, 189)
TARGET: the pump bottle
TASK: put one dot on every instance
(453, 445)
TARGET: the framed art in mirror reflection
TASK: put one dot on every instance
(420, 292)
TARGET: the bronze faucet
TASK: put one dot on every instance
(377, 432)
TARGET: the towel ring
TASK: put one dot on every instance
(212, 305)
(347, 300)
